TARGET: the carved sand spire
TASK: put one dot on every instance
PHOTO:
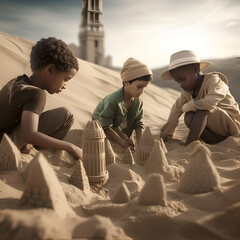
(122, 195)
(153, 192)
(79, 177)
(157, 161)
(10, 156)
(109, 153)
(144, 147)
(163, 145)
(128, 157)
(93, 141)
(200, 174)
(43, 189)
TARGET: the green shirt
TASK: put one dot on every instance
(112, 112)
(15, 97)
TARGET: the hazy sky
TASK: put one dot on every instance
(149, 30)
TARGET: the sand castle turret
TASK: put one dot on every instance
(79, 177)
(43, 189)
(144, 147)
(200, 174)
(128, 157)
(122, 195)
(163, 145)
(153, 192)
(93, 142)
(157, 161)
(10, 156)
(109, 153)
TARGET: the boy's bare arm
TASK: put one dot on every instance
(111, 134)
(30, 134)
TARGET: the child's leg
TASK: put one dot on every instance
(210, 137)
(196, 122)
(210, 127)
(56, 122)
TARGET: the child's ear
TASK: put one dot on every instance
(50, 68)
(126, 83)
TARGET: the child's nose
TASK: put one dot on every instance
(181, 85)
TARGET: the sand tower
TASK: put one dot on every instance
(91, 36)
(128, 157)
(157, 161)
(153, 192)
(9, 154)
(109, 153)
(200, 175)
(163, 145)
(144, 147)
(43, 189)
(79, 177)
(122, 195)
(93, 142)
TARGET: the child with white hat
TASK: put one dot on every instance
(211, 112)
(121, 112)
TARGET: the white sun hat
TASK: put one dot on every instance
(183, 58)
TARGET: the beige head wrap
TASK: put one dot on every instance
(133, 69)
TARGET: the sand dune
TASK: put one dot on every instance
(136, 202)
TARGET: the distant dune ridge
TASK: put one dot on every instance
(136, 202)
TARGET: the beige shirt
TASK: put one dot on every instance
(214, 96)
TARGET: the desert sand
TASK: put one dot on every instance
(180, 192)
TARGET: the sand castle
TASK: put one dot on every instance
(163, 145)
(122, 195)
(79, 177)
(9, 154)
(153, 192)
(200, 174)
(128, 157)
(43, 189)
(144, 147)
(93, 145)
(157, 161)
(109, 153)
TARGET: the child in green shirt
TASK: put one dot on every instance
(22, 100)
(122, 111)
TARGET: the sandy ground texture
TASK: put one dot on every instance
(179, 192)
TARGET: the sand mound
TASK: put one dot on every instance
(79, 214)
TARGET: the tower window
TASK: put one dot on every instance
(97, 17)
(97, 4)
(92, 3)
(91, 17)
(96, 43)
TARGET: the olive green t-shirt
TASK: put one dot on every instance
(112, 112)
(15, 97)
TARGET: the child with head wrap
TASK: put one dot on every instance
(121, 112)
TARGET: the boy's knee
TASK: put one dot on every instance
(188, 118)
(68, 116)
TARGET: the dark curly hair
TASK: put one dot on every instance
(53, 51)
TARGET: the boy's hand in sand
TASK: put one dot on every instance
(167, 131)
(76, 152)
(125, 143)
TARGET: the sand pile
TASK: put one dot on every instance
(169, 192)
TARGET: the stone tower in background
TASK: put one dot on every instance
(91, 36)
